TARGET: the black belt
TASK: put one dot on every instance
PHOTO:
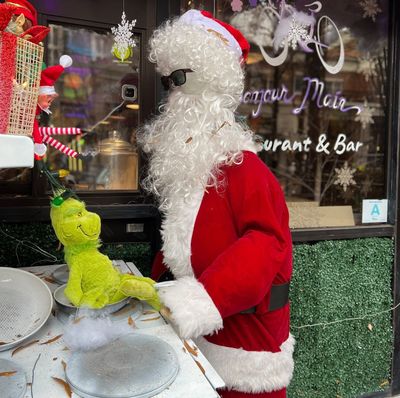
(279, 298)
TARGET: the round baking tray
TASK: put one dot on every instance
(66, 306)
(134, 366)
(14, 384)
(25, 306)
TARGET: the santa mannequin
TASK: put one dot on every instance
(225, 229)
(47, 94)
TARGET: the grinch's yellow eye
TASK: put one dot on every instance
(79, 214)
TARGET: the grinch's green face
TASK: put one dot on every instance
(73, 224)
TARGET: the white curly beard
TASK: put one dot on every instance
(189, 141)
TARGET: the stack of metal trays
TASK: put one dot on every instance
(134, 366)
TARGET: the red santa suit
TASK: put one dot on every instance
(226, 248)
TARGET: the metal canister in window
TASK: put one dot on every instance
(119, 161)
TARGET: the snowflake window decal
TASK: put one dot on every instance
(345, 176)
(123, 39)
(371, 9)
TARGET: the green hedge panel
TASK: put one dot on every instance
(335, 280)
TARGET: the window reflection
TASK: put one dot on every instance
(303, 100)
(93, 96)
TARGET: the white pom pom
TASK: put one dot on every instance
(65, 61)
(40, 149)
(91, 333)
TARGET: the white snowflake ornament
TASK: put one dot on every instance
(365, 117)
(297, 32)
(344, 176)
(371, 8)
(123, 39)
(367, 67)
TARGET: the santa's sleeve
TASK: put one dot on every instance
(241, 276)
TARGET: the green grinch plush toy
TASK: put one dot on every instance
(93, 281)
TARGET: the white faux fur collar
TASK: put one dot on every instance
(177, 231)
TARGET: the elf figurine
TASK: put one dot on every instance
(225, 230)
(47, 94)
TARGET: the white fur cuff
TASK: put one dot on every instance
(193, 311)
(251, 371)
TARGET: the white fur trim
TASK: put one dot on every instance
(65, 61)
(47, 90)
(251, 371)
(193, 311)
(195, 17)
(177, 231)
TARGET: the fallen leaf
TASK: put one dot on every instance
(49, 279)
(149, 312)
(384, 383)
(370, 327)
(131, 322)
(150, 319)
(190, 139)
(201, 368)
(64, 384)
(51, 340)
(192, 350)
(64, 365)
(7, 374)
(22, 347)
(77, 320)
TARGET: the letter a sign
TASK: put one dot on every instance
(374, 211)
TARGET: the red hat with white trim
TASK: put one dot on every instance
(232, 37)
(50, 75)
(26, 8)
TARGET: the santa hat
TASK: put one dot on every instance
(26, 8)
(231, 36)
(50, 75)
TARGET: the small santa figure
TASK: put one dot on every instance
(47, 94)
(225, 231)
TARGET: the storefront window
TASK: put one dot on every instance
(99, 95)
(319, 104)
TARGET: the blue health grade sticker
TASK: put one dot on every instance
(374, 211)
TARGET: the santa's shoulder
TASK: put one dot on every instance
(249, 166)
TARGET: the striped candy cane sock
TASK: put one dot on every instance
(60, 146)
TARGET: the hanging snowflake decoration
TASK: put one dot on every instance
(367, 66)
(371, 9)
(123, 39)
(365, 117)
(298, 32)
(344, 176)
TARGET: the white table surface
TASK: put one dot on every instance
(196, 377)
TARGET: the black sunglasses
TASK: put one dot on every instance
(175, 79)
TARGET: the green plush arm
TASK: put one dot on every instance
(73, 291)
(141, 288)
